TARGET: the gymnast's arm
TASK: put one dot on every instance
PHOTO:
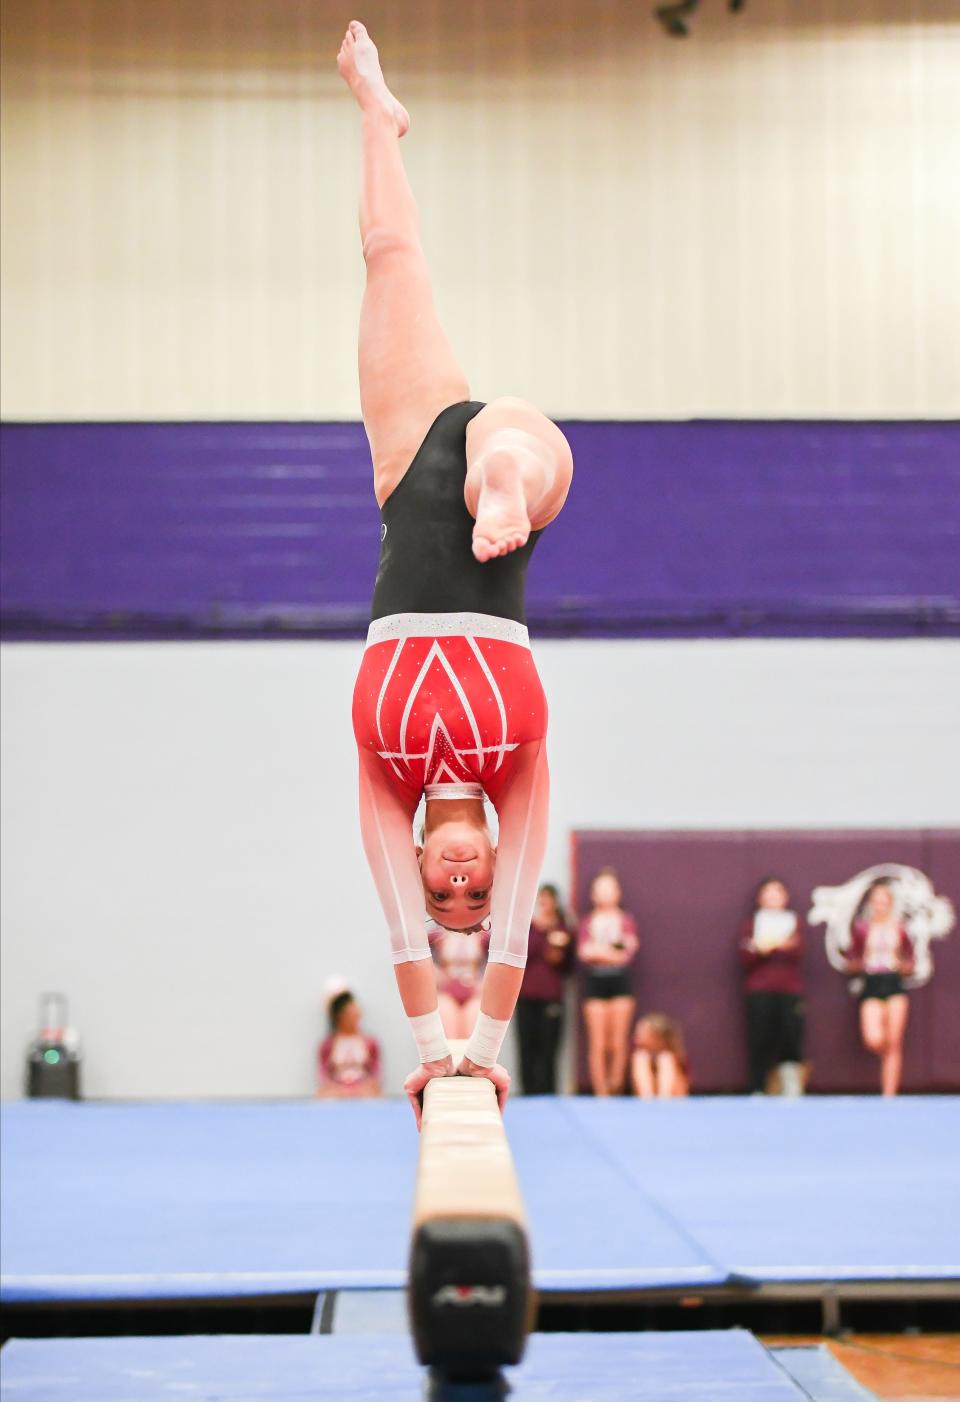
(522, 809)
(386, 820)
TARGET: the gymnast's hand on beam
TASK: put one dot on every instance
(499, 1075)
(416, 1081)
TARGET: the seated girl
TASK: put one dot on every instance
(348, 1062)
(659, 1062)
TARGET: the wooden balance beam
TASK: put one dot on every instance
(469, 1292)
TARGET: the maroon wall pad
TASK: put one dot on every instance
(692, 891)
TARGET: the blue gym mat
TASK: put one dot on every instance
(105, 1201)
(710, 1366)
(839, 1188)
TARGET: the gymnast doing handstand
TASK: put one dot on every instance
(448, 705)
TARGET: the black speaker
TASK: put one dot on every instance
(53, 1057)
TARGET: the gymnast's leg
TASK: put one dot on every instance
(519, 464)
(408, 371)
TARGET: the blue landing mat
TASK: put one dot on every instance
(180, 1200)
(176, 1200)
(701, 1367)
(839, 1188)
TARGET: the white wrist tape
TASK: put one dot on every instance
(429, 1036)
(484, 1045)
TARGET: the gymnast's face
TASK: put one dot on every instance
(456, 864)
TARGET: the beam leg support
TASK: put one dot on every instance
(469, 1295)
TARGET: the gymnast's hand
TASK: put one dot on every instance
(416, 1081)
(499, 1076)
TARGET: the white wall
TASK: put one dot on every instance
(760, 220)
(180, 847)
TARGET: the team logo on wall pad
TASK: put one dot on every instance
(925, 915)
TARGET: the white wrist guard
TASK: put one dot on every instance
(484, 1045)
(429, 1036)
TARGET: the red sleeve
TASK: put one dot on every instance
(373, 1058)
(632, 933)
(906, 946)
(323, 1059)
(858, 940)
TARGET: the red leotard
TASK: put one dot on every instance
(448, 701)
(445, 700)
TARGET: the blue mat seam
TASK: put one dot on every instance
(655, 1203)
(788, 1375)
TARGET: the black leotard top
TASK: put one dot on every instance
(427, 564)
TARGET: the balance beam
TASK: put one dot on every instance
(469, 1292)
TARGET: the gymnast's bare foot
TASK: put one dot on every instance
(499, 504)
(359, 65)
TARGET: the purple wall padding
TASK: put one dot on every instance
(672, 529)
(691, 892)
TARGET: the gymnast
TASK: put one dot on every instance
(448, 705)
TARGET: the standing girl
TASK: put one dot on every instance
(607, 945)
(540, 1005)
(771, 951)
(881, 952)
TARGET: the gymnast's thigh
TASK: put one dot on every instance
(408, 371)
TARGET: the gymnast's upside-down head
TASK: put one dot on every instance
(457, 860)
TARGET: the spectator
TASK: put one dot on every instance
(881, 952)
(606, 945)
(659, 1062)
(540, 1005)
(771, 950)
(348, 1060)
(460, 959)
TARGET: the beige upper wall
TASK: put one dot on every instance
(760, 220)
